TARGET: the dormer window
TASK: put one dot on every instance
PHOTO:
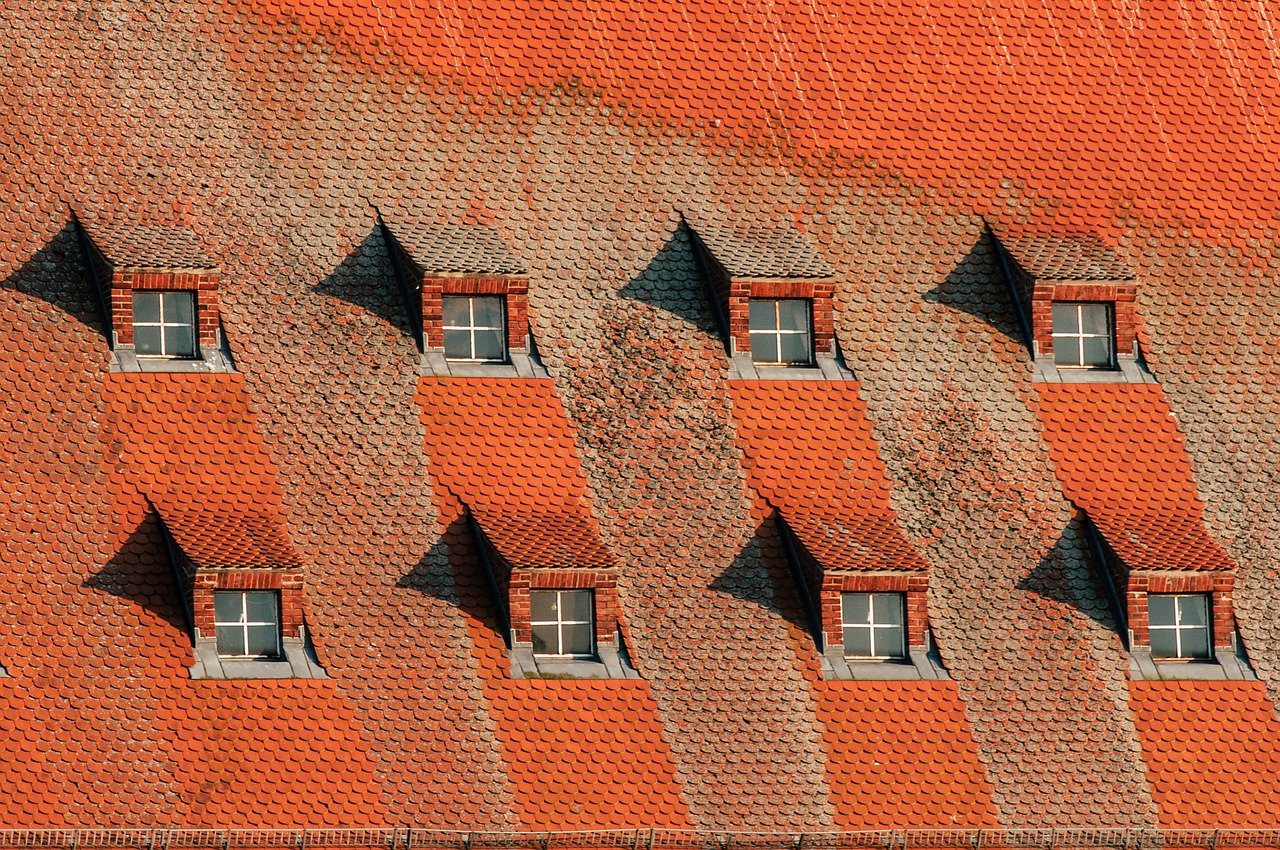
(1078, 304)
(1083, 335)
(467, 296)
(562, 623)
(158, 292)
(475, 328)
(164, 324)
(874, 626)
(247, 623)
(781, 331)
(1179, 626)
(771, 295)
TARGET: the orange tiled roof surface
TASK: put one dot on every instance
(573, 142)
(1121, 458)
(1212, 752)
(809, 452)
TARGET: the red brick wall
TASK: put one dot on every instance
(203, 284)
(603, 582)
(738, 305)
(1122, 297)
(516, 292)
(287, 582)
(914, 585)
(1219, 586)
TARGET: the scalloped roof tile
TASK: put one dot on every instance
(452, 248)
(760, 251)
(149, 247)
(1120, 456)
(1050, 257)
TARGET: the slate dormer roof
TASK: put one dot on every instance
(766, 252)
(463, 249)
(1061, 257)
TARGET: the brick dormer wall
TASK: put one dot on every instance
(127, 258)
(288, 583)
(604, 582)
(1048, 268)
(515, 292)
(123, 283)
(913, 586)
(1219, 586)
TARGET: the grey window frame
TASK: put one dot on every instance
(1075, 341)
(872, 627)
(560, 622)
(472, 327)
(1177, 628)
(777, 332)
(245, 623)
(194, 326)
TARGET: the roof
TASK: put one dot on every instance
(809, 453)
(1058, 257)
(1121, 458)
(1211, 752)
(452, 248)
(894, 139)
(760, 251)
(150, 247)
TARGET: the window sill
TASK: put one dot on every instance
(297, 662)
(1128, 370)
(1225, 665)
(520, 364)
(919, 664)
(124, 359)
(826, 367)
(609, 663)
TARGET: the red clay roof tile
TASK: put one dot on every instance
(1120, 457)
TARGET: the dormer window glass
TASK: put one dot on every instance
(1083, 335)
(164, 324)
(248, 623)
(781, 331)
(475, 328)
(1179, 626)
(563, 623)
(874, 625)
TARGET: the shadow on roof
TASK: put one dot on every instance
(760, 574)
(56, 273)
(366, 279)
(673, 282)
(977, 286)
(450, 571)
(1067, 574)
(140, 573)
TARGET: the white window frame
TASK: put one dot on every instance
(472, 327)
(1075, 341)
(245, 623)
(1178, 628)
(871, 626)
(560, 622)
(162, 324)
(777, 332)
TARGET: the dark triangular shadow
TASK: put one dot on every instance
(56, 273)
(673, 281)
(977, 286)
(1066, 573)
(366, 278)
(760, 574)
(140, 572)
(451, 571)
